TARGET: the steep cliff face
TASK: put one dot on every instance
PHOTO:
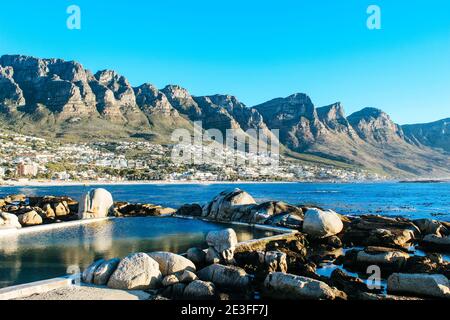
(295, 117)
(11, 96)
(435, 134)
(368, 138)
(115, 98)
(61, 99)
(375, 126)
(182, 100)
(62, 87)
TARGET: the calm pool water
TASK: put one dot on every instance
(48, 254)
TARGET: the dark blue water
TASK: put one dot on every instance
(411, 200)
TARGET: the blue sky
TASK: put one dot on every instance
(256, 50)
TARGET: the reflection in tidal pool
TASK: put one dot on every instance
(47, 254)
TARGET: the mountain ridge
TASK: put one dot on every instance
(63, 100)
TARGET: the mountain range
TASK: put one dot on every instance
(60, 99)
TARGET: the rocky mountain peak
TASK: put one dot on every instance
(152, 101)
(182, 100)
(374, 125)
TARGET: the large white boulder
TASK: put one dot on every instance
(136, 272)
(322, 224)
(9, 220)
(224, 242)
(97, 203)
(170, 263)
(279, 285)
(432, 285)
(224, 205)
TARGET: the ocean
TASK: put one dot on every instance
(410, 200)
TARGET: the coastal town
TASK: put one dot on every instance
(27, 159)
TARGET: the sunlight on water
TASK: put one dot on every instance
(47, 254)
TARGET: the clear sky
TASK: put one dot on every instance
(256, 50)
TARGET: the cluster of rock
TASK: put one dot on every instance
(386, 242)
(17, 211)
(285, 267)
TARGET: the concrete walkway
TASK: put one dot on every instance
(85, 292)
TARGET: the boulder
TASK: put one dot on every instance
(200, 290)
(170, 280)
(97, 203)
(175, 291)
(88, 274)
(226, 203)
(61, 209)
(419, 284)
(262, 262)
(194, 210)
(31, 218)
(265, 211)
(287, 220)
(382, 257)
(48, 211)
(322, 224)
(230, 277)
(388, 259)
(196, 255)
(437, 243)
(429, 226)
(9, 220)
(381, 231)
(170, 263)
(138, 271)
(15, 198)
(224, 242)
(104, 271)
(212, 256)
(186, 276)
(279, 285)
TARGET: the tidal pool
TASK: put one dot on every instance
(47, 254)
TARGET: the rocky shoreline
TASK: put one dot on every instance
(372, 257)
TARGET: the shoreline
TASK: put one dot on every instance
(38, 183)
